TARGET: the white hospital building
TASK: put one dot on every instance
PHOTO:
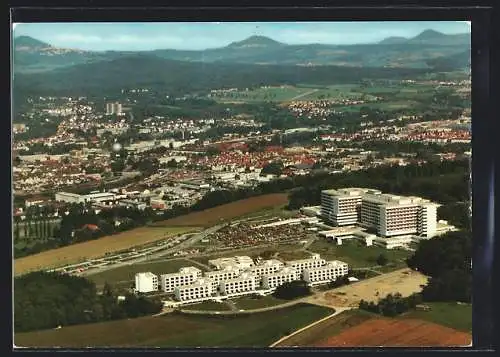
(185, 276)
(396, 220)
(199, 289)
(341, 207)
(326, 273)
(392, 215)
(314, 262)
(146, 282)
(276, 279)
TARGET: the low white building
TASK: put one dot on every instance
(146, 282)
(267, 267)
(314, 262)
(240, 262)
(276, 279)
(230, 272)
(91, 197)
(185, 276)
(243, 283)
(326, 273)
(200, 289)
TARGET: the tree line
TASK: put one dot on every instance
(45, 300)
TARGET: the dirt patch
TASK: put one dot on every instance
(397, 333)
(227, 212)
(404, 281)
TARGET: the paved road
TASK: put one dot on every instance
(188, 242)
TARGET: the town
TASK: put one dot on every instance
(314, 191)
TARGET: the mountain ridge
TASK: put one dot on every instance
(393, 51)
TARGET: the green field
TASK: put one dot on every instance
(258, 302)
(207, 306)
(448, 314)
(181, 330)
(357, 255)
(127, 273)
(272, 94)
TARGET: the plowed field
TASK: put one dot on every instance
(227, 211)
(397, 333)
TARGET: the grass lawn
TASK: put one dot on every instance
(181, 330)
(328, 328)
(207, 306)
(293, 255)
(448, 314)
(257, 302)
(357, 255)
(127, 273)
(274, 94)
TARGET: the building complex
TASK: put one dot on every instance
(189, 284)
(388, 220)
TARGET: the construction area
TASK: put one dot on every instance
(403, 281)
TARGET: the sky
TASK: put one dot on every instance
(140, 36)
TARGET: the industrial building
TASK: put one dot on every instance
(185, 276)
(326, 273)
(146, 282)
(91, 197)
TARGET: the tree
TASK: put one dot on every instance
(292, 290)
(172, 163)
(382, 259)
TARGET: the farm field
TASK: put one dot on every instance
(226, 212)
(384, 332)
(358, 255)
(327, 328)
(96, 248)
(403, 281)
(127, 272)
(450, 314)
(180, 330)
(272, 94)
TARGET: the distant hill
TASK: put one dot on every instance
(256, 41)
(27, 43)
(31, 55)
(431, 37)
(147, 70)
